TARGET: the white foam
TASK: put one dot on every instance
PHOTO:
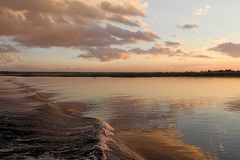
(105, 136)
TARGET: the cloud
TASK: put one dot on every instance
(127, 35)
(188, 26)
(202, 56)
(203, 11)
(104, 54)
(90, 26)
(66, 35)
(133, 8)
(229, 48)
(173, 44)
(156, 50)
(169, 50)
(7, 49)
(9, 58)
(126, 20)
(9, 54)
(73, 23)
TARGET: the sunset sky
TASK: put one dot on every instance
(119, 35)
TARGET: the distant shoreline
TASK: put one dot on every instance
(225, 73)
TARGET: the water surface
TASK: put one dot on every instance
(159, 118)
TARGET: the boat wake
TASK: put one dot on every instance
(34, 127)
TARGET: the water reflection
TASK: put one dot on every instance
(128, 112)
(161, 146)
(140, 122)
(233, 105)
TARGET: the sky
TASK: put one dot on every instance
(119, 35)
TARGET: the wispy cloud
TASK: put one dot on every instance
(203, 11)
(7, 49)
(9, 54)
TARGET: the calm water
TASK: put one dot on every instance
(203, 113)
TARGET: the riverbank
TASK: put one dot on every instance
(225, 73)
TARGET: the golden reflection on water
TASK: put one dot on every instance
(159, 146)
